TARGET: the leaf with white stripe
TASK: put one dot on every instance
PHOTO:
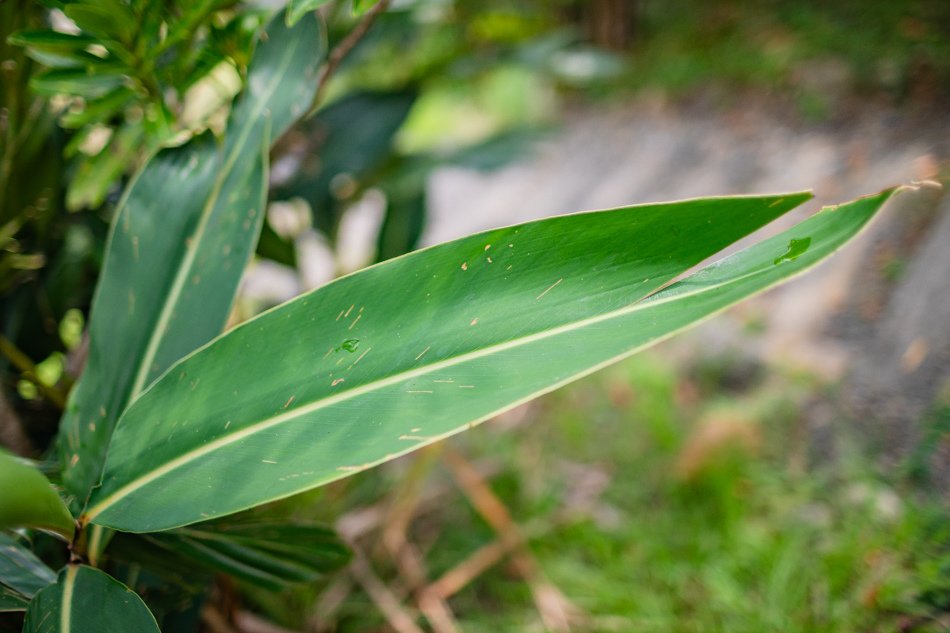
(381, 362)
(184, 231)
(84, 600)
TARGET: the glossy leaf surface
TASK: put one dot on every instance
(184, 231)
(27, 499)
(21, 570)
(396, 356)
(84, 600)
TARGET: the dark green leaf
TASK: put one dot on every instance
(403, 223)
(98, 110)
(183, 234)
(11, 601)
(52, 41)
(274, 247)
(350, 137)
(21, 570)
(86, 600)
(77, 81)
(271, 555)
(110, 19)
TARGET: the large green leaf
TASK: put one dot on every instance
(28, 500)
(21, 570)
(184, 231)
(84, 600)
(401, 354)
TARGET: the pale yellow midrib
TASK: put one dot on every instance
(191, 252)
(66, 606)
(248, 431)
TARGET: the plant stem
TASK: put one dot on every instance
(341, 50)
(28, 370)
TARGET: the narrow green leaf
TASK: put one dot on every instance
(27, 499)
(98, 109)
(77, 81)
(110, 19)
(84, 600)
(184, 231)
(362, 6)
(296, 9)
(11, 601)
(52, 41)
(401, 354)
(21, 570)
(270, 555)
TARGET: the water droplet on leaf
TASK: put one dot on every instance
(350, 344)
(796, 247)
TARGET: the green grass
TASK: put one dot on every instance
(701, 513)
(901, 48)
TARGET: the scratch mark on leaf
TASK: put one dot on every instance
(466, 386)
(336, 382)
(423, 352)
(227, 424)
(777, 202)
(549, 289)
(340, 315)
(350, 309)
(419, 391)
(489, 260)
(268, 461)
(474, 321)
(464, 266)
(355, 321)
(487, 246)
(361, 356)
(446, 381)
(289, 402)
(415, 438)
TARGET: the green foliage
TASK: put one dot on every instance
(22, 574)
(271, 555)
(172, 276)
(28, 500)
(86, 599)
(244, 405)
(174, 423)
(127, 73)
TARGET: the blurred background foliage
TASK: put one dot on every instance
(89, 89)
